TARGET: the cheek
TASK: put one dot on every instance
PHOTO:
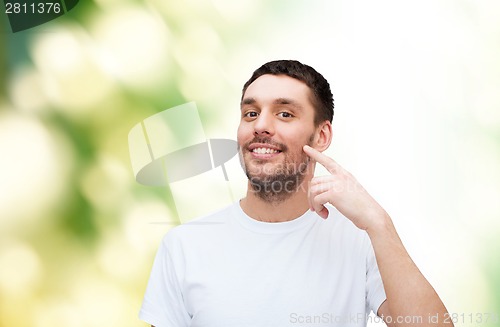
(238, 135)
(294, 137)
(243, 133)
(299, 139)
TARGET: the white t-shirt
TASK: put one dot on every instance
(228, 269)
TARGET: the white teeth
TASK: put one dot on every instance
(264, 150)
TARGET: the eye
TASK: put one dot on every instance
(285, 114)
(250, 114)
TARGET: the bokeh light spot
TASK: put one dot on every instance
(20, 268)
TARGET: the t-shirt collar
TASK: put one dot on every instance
(255, 225)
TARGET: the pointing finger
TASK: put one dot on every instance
(323, 159)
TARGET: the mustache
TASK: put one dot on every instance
(265, 140)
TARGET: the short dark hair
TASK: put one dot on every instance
(322, 97)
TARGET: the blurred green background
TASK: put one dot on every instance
(417, 94)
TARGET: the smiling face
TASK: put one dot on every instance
(277, 120)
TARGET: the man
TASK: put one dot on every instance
(298, 250)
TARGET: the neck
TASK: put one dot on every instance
(277, 211)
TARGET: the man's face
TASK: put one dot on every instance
(277, 120)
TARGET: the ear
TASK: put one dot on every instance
(323, 136)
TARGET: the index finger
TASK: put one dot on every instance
(323, 159)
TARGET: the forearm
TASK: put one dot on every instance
(409, 294)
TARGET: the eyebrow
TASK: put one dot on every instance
(248, 101)
(284, 101)
(288, 101)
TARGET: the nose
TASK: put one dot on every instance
(263, 125)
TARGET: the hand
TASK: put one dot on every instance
(342, 191)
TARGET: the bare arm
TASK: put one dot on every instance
(409, 295)
(411, 300)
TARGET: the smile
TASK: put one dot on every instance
(265, 151)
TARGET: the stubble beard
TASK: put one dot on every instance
(286, 178)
